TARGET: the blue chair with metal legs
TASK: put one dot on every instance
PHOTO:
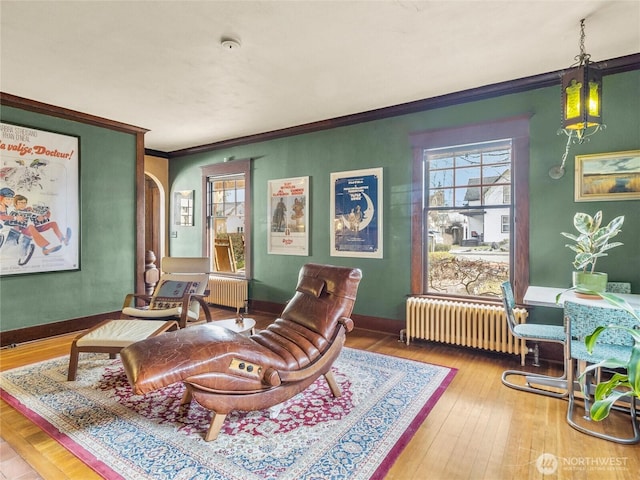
(534, 382)
(581, 320)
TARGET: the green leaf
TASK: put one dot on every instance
(570, 236)
(583, 222)
(601, 408)
(609, 246)
(608, 363)
(616, 224)
(606, 389)
(633, 370)
(590, 340)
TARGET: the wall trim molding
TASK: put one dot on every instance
(38, 332)
(608, 67)
(362, 322)
(8, 100)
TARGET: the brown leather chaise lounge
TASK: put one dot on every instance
(225, 371)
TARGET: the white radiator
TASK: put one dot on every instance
(473, 325)
(229, 292)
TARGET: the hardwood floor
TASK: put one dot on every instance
(479, 429)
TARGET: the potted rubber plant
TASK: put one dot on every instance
(591, 243)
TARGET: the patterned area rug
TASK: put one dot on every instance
(312, 436)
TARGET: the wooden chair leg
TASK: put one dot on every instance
(333, 385)
(186, 397)
(216, 424)
(73, 363)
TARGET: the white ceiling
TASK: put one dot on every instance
(159, 65)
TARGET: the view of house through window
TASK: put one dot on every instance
(467, 215)
(226, 212)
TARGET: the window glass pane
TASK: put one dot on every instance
(467, 219)
(468, 159)
(462, 197)
(441, 197)
(467, 176)
(439, 161)
(440, 178)
(186, 211)
(227, 242)
(229, 196)
(493, 195)
(496, 173)
(497, 156)
(468, 252)
(506, 194)
(472, 193)
(505, 224)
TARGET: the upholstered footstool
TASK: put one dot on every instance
(111, 336)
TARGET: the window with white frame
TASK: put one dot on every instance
(505, 224)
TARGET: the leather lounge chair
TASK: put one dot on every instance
(225, 371)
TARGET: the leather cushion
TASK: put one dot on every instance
(311, 286)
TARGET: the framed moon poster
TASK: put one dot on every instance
(356, 213)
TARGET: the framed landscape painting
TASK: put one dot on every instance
(608, 176)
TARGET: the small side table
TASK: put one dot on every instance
(245, 327)
(111, 336)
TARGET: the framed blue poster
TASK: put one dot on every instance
(356, 213)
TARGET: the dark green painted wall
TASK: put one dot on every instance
(108, 233)
(385, 143)
(108, 205)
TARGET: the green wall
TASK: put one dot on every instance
(385, 143)
(108, 233)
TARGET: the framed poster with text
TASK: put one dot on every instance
(288, 219)
(39, 201)
(356, 213)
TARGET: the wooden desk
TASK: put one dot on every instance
(546, 297)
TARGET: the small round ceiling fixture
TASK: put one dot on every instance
(230, 43)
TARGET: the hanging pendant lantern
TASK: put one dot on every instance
(581, 103)
(582, 96)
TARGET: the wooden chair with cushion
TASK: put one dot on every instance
(179, 294)
(224, 371)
